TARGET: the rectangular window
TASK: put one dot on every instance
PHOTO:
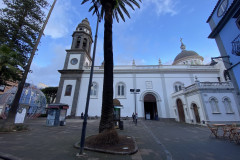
(68, 90)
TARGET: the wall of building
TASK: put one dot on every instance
(217, 19)
(227, 38)
(194, 98)
(158, 84)
(222, 115)
(68, 99)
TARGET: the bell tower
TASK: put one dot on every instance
(79, 56)
(77, 59)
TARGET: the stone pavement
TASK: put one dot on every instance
(156, 140)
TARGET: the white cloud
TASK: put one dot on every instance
(49, 75)
(163, 7)
(57, 26)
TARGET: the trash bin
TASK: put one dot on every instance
(121, 125)
(56, 114)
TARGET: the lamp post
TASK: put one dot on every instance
(135, 91)
(96, 5)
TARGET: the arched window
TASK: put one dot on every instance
(94, 89)
(121, 90)
(214, 105)
(68, 90)
(84, 43)
(227, 105)
(78, 42)
(89, 46)
(226, 75)
(178, 86)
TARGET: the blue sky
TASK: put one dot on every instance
(153, 32)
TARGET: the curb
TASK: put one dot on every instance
(76, 145)
(8, 157)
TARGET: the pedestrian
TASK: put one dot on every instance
(82, 115)
(133, 116)
(156, 116)
(136, 117)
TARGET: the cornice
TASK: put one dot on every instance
(158, 71)
(70, 71)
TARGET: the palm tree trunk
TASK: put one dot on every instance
(107, 101)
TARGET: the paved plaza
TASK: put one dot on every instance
(156, 140)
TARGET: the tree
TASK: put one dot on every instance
(10, 62)
(110, 9)
(15, 103)
(50, 93)
(20, 23)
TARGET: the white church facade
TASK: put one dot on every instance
(187, 91)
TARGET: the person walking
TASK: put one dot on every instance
(136, 117)
(133, 117)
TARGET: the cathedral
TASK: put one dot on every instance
(187, 91)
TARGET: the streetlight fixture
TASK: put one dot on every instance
(135, 91)
(96, 5)
(214, 62)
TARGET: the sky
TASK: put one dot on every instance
(153, 32)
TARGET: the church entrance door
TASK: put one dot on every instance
(150, 107)
(180, 111)
(195, 109)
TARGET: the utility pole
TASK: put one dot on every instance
(96, 5)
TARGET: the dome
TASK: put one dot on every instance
(185, 54)
(84, 24)
(31, 97)
(116, 102)
(85, 21)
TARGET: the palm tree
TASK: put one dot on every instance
(110, 9)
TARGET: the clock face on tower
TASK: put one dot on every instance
(222, 8)
(74, 61)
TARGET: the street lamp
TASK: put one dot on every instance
(135, 91)
(96, 5)
(214, 62)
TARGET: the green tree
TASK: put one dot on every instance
(20, 23)
(10, 62)
(50, 93)
(41, 3)
(110, 9)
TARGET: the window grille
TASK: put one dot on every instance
(236, 46)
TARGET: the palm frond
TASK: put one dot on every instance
(91, 8)
(135, 3)
(84, 1)
(129, 4)
(122, 5)
(116, 15)
(120, 13)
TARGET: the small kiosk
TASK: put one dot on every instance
(56, 114)
(117, 114)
